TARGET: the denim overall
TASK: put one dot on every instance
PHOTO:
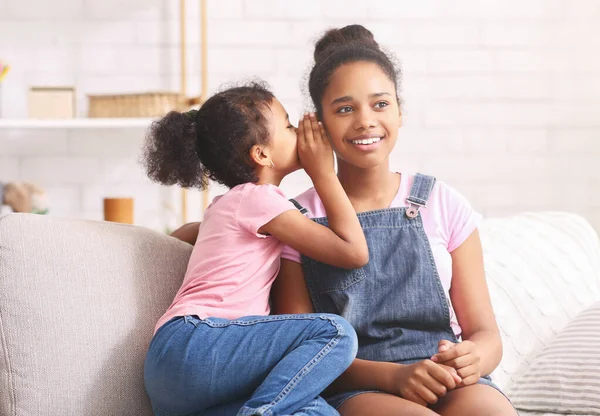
(396, 303)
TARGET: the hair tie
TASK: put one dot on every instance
(191, 114)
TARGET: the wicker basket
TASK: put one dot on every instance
(152, 104)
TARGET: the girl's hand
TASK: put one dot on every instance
(342, 243)
(424, 382)
(463, 357)
(314, 149)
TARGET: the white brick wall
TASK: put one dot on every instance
(501, 99)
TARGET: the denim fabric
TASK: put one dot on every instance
(258, 365)
(396, 303)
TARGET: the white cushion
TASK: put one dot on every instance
(542, 270)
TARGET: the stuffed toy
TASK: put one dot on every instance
(22, 197)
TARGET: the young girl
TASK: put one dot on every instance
(421, 308)
(216, 351)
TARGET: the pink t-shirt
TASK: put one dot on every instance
(232, 267)
(448, 220)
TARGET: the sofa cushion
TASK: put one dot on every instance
(78, 304)
(542, 270)
(565, 376)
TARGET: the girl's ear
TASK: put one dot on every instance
(260, 156)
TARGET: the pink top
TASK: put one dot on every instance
(448, 220)
(232, 267)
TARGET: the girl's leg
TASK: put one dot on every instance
(386, 405)
(281, 362)
(474, 400)
(311, 352)
(316, 407)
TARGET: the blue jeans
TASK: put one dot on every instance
(256, 365)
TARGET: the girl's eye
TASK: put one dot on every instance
(291, 127)
(344, 110)
(381, 104)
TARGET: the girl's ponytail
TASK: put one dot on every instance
(169, 153)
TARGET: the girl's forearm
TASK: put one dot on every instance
(363, 375)
(187, 232)
(489, 347)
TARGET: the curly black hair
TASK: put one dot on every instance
(213, 143)
(352, 43)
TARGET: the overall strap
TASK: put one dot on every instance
(419, 193)
(300, 207)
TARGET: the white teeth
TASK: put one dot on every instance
(367, 141)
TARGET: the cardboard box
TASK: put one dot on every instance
(52, 102)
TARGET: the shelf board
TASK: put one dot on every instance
(76, 123)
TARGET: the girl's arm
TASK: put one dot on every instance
(471, 300)
(343, 244)
(481, 349)
(187, 232)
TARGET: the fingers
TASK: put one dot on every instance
(308, 130)
(415, 397)
(300, 130)
(418, 392)
(316, 129)
(468, 371)
(445, 345)
(436, 387)
(456, 351)
(453, 373)
(472, 379)
(446, 375)
(323, 132)
(427, 395)
(429, 382)
(448, 355)
(460, 362)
